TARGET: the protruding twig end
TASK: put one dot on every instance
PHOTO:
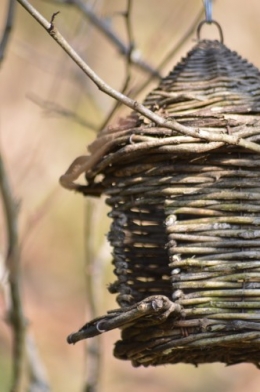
(51, 28)
(70, 339)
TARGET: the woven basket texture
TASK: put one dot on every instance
(186, 216)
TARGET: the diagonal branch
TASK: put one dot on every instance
(159, 306)
(50, 108)
(181, 41)
(173, 51)
(8, 28)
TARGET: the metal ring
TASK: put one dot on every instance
(100, 330)
(212, 22)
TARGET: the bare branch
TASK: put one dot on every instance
(7, 29)
(16, 316)
(104, 27)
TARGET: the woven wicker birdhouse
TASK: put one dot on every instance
(185, 210)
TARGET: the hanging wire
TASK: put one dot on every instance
(208, 10)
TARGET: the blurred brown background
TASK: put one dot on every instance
(38, 145)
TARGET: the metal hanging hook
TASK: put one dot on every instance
(209, 20)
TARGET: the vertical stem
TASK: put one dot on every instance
(129, 62)
(7, 29)
(16, 315)
(37, 375)
(92, 265)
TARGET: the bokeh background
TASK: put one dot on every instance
(38, 145)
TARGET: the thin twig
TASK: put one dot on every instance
(168, 123)
(52, 21)
(130, 38)
(7, 29)
(51, 107)
(16, 316)
(23, 342)
(93, 274)
(37, 375)
(131, 45)
(172, 52)
(104, 27)
(181, 42)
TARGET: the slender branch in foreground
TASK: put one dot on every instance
(168, 123)
(104, 27)
(16, 314)
(8, 28)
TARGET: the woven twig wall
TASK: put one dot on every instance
(185, 216)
